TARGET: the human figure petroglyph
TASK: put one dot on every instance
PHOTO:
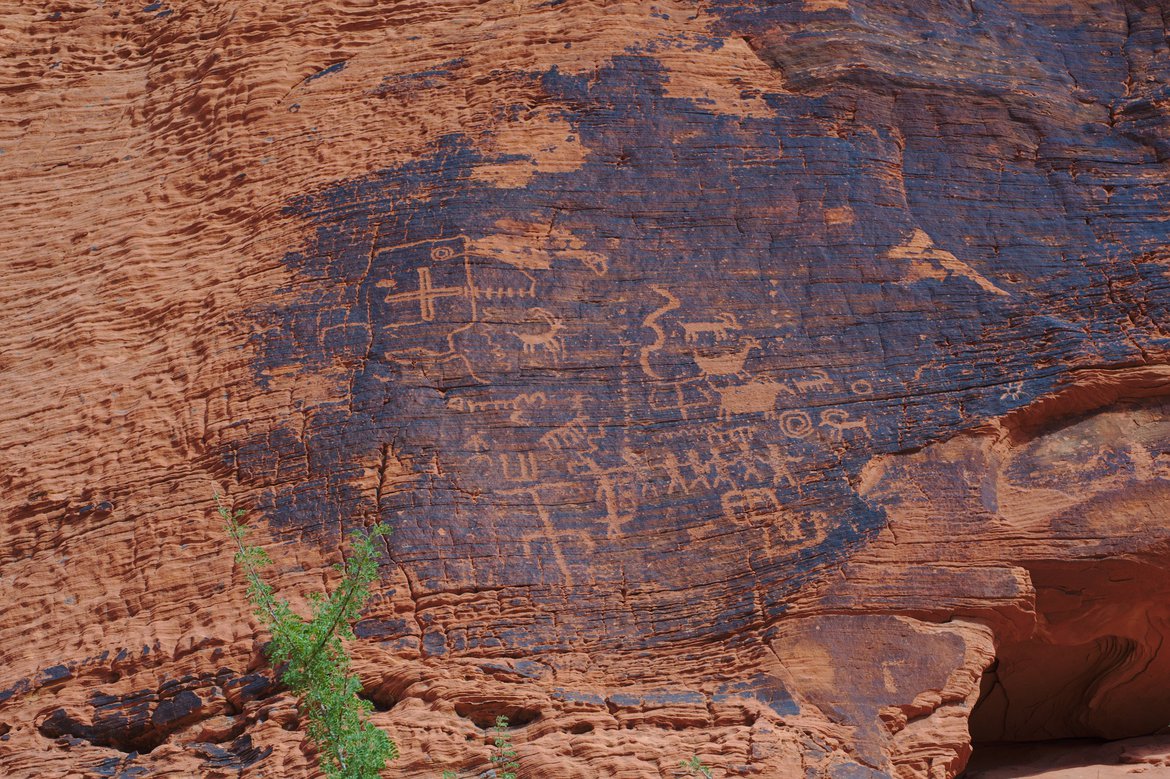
(838, 421)
(720, 329)
(819, 383)
(722, 471)
(674, 473)
(698, 468)
(779, 463)
(756, 397)
(730, 364)
(547, 340)
(749, 461)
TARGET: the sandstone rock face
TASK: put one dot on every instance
(781, 384)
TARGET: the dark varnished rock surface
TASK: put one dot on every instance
(642, 325)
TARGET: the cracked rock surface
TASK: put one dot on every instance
(781, 384)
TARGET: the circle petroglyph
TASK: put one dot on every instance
(796, 424)
(440, 253)
(861, 387)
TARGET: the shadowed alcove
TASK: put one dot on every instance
(1095, 668)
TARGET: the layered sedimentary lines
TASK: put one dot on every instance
(625, 316)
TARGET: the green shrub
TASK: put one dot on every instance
(504, 756)
(310, 657)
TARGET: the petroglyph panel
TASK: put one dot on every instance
(610, 364)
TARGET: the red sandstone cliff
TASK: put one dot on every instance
(768, 382)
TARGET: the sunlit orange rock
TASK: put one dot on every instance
(778, 384)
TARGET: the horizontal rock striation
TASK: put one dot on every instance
(779, 384)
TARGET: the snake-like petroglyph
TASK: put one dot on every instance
(651, 321)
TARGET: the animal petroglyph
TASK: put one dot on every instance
(820, 382)
(795, 423)
(755, 397)
(546, 340)
(719, 329)
(928, 261)
(651, 321)
(838, 421)
(726, 364)
(575, 436)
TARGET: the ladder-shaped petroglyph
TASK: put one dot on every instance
(518, 405)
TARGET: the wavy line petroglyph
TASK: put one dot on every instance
(651, 321)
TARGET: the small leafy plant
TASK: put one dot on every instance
(310, 657)
(695, 767)
(504, 756)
